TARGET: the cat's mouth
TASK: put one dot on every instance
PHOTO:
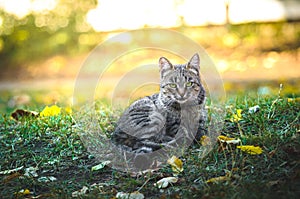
(181, 100)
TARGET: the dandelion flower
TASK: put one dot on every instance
(68, 110)
(50, 111)
(236, 117)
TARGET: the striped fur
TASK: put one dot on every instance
(175, 113)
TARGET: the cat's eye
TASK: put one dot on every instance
(172, 85)
(189, 84)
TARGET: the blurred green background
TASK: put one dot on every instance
(254, 44)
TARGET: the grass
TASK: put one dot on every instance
(52, 145)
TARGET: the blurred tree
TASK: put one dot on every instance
(39, 35)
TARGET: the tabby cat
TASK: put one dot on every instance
(174, 116)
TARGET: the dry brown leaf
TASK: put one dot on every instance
(19, 113)
(272, 183)
(218, 179)
(11, 177)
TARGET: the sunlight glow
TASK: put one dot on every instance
(133, 14)
(111, 15)
(197, 13)
(21, 8)
(256, 10)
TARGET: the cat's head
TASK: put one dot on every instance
(181, 82)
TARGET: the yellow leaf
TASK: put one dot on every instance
(217, 179)
(176, 164)
(164, 182)
(297, 99)
(205, 140)
(253, 150)
(223, 138)
(50, 111)
(25, 192)
(228, 140)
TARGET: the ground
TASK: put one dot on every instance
(40, 148)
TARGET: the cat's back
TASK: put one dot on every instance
(145, 104)
(138, 116)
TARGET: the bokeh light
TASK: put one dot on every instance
(44, 42)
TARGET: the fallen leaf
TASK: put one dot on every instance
(217, 179)
(272, 183)
(12, 176)
(19, 113)
(47, 179)
(24, 192)
(11, 170)
(254, 109)
(133, 195)
(80, 192)
(176, 164)
(205, 140)
(253, 150)
(228, 140)
(31, 172)
(297, 99)
(164, 182)
(101, 165)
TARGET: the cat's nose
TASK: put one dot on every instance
(181, 92)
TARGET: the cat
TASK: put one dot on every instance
(174, 116)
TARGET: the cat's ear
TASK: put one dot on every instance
(194, 64)
(165, 66)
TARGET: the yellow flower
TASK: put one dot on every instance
(253, 150)
(176, 164)
(68, 110)
(50, 111)
(236, 117)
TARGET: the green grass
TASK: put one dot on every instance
(52, 145)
